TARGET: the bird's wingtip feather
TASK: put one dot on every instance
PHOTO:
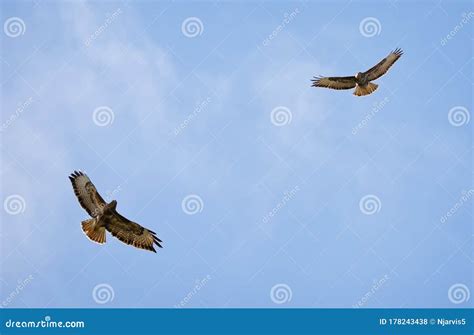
(398, 51)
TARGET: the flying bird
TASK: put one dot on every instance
(362, 80)
(105, 217)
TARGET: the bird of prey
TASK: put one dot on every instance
(105, 217)
(362, 80)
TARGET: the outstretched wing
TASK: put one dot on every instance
(130, 232)
(382, 67)
(87, 194)
(336, 83)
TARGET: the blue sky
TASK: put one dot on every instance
(303, 197)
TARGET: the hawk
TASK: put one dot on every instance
(362, 80)
(105, 217)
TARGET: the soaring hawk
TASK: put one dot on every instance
(362, 80)
(105, 217)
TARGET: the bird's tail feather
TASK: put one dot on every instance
(365, 90)
(96, 234)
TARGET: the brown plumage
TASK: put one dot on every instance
(105, 217)
(362, 80)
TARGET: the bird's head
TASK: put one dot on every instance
(112, 204)
(358, 75)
